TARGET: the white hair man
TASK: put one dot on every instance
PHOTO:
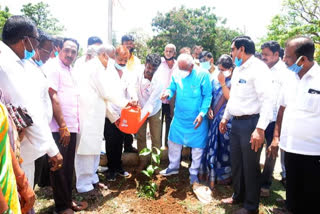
(189, 126)
(168, 65)
(98, 88)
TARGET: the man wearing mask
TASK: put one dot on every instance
(132, 66)
(189, 125)
(64, 130)
(250, 105)
(20, 38)
(297, 126)
(168, 65)
(196, 51)
(113, 136)
(279, 73)
(97, 90)
(206, 62)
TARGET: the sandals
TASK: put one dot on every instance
(79, 205)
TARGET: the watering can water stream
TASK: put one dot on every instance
(130, 119)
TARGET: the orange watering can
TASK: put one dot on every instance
(130, 119)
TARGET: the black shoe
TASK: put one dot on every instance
(111, 176)
(284, 182)
(130, 150)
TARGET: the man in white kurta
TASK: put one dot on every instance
(97, 89)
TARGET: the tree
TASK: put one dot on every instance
(43, 18)
(189, 27)
(298, 17)
(141, 47)
(4, 15)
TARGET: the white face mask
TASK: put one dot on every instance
(226, 73)
(184, 73)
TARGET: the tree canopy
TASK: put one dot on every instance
(43, 18)
(298, 17)
(189, 27)
(4, 15)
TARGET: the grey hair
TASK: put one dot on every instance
(187, 58)
(92, 50)
(171, 46)
(105, 48)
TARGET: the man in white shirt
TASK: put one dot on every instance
(297, 127)
(113, 136)
(250, 105)
(270, 55)
(167, 66)
(97, 89)
(149, 89)
(133, 66)
(20, 37)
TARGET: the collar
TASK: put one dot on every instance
(314, 70)
(248, 62)
(8, 52)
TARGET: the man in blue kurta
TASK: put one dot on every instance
(189, 126)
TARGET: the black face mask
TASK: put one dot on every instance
(168, 59)
(131, 50)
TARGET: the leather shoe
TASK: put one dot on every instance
(245, 211)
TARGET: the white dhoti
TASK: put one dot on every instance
(175, 156)
(28, 169)
(86, 167)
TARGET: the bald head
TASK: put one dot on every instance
(122, 55)
(302, 46)
(185, 62)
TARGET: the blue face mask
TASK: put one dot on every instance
(39, 63)
(119, 67)
(295, 67)
(29, 54)
(205, 65)
(56, 53)
(238, 62)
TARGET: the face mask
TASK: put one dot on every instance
(237, 61)
(28, 54)
(56, 53)
(226, 73)
(295, 67)
(39, 63)
(168, 59)
(184, 73)
(205, 65)
(119, 67)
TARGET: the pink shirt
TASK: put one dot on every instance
(167, 74)
(62, 80)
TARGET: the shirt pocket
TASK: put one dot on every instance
(195, 91)
(243, 89)
(309, 103)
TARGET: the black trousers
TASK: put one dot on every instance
(266, 177)
(245, 165)
(61, 180)
(128, 141)
(114, 143)
(166, 116)
(303, 183)
(42, 171)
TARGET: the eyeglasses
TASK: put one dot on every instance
(46, 51)
(36, 38)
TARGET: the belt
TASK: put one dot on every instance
(245, 117)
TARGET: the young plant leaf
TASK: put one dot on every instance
(145, 152)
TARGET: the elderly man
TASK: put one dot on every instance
(250, 104)
(65, 126)
(113, 136)
(270, 55)
(297, 127)
(97, 90)
(168, 65)
(149, 88)
(189, 126)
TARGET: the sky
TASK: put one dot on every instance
(83, 18)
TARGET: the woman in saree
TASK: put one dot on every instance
(215, 165)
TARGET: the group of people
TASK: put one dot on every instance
(224, 112)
